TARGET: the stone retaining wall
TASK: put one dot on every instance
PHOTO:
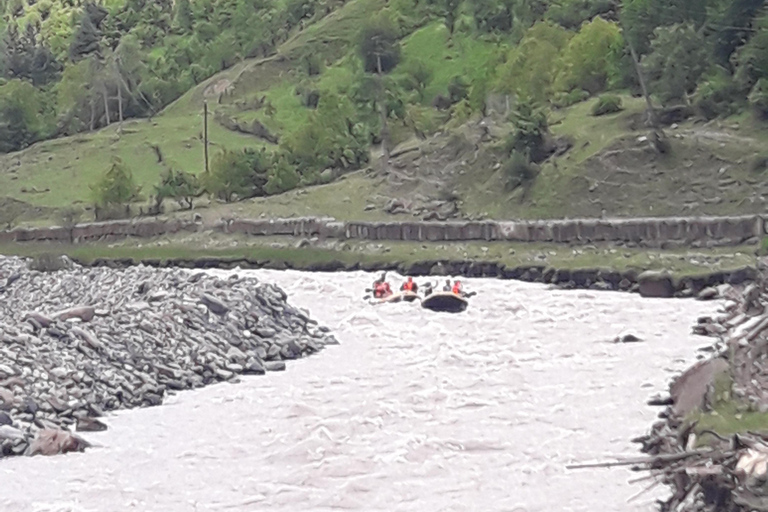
(651, 232)
(99, 231)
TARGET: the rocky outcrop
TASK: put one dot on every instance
(77, 343)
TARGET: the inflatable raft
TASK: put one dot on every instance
(447, 302)
(397, 297)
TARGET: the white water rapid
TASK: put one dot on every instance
(413, 411)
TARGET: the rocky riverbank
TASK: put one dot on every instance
(648, 284)
(711, 446)
(77, 342)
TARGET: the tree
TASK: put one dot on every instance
(238, 174)
(641, 18)
(378, 45)
(87, 39)
(751, 60)
(24, 58)
(678, 59)
(588, 58)
(380, 51)
(733, 27)
(530, 68)
(183, 16)
(24, 115)
(332, 137)
(116, 187)
(180, 186)
(531, 130)
(493, 15)
(571, 14)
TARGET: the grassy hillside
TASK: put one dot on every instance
(448, 161)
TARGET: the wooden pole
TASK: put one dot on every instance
(205, 133)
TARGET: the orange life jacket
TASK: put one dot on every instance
(457, 288)
(379, 289)
(408, 286)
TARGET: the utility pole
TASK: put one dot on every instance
(205, 133)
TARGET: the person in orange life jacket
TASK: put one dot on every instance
(409, 286)
(381, 288)
(457, 288)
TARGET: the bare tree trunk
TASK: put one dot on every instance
(120, 108)
(93, 112)
(106, 102)
(383, 112)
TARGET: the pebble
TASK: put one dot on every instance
(80, 342)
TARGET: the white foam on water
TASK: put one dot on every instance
(414, 411)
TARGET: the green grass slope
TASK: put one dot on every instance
(608, 169)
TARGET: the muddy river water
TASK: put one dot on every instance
(413, 411)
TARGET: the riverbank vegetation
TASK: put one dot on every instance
(301, 92)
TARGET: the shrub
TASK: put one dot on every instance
(759, 163)
(519, 170)
(47, 262)
(236, 174)
(607, 104)
(758, 98)
(566, 99)
(116, 187)
(179, 185)
(458, 89)
(716, 95)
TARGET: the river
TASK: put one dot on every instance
(413, 411)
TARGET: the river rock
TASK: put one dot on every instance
(708, 294)
(78, 343)
(656, 284)
(90, 425)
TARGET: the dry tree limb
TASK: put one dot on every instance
(670, 457)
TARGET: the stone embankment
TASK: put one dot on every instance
(645, 232)
(78, 342)
(708, 470)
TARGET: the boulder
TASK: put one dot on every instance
(656, 284)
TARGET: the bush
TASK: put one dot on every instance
(236, 174)
(566, 99)
(116, 187)
(716, 96)
(759, 163)
(607, 104)
(458, 89)
(178, 185)
(282, 177)
(47, 262)
(758, 98)
(519, 170)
